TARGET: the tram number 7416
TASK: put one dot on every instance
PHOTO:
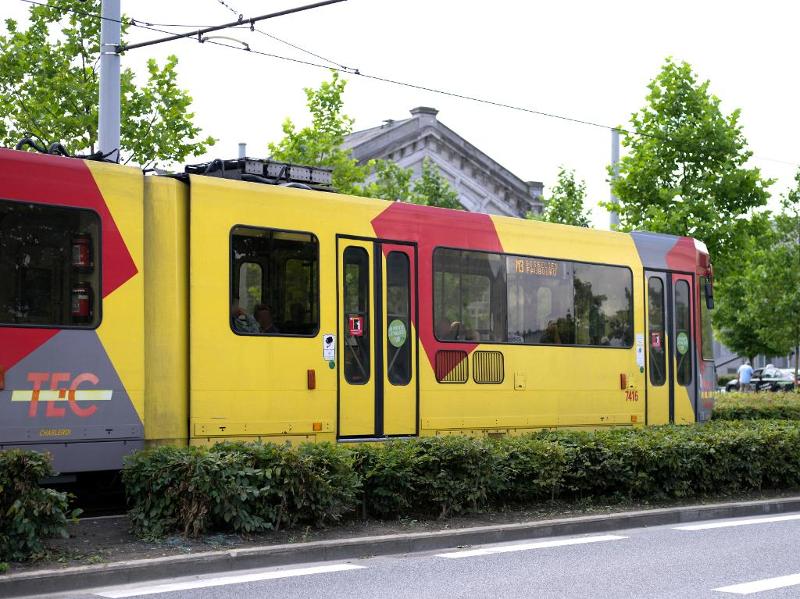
(631, 395)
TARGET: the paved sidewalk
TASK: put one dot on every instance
(124, 572)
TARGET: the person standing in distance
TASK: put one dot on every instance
(745, 373)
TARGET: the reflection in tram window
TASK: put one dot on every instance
(683, 333)
(656, 329)
(398, 318)
(275, 286)
(356, 316)
(49, 266)
(486, 297)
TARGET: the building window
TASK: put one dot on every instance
(49, 266)
(481, 296)
(274, 282)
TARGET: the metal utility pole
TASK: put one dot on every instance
(613, 215)
(108, 112)
(111, 47)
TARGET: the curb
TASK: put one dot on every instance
(214, 562)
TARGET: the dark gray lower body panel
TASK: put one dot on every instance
(84, 456)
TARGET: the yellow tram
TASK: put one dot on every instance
(221, 304)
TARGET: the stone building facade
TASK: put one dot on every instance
(482, 184)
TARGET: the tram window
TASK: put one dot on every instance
(49, 266)
(655, 328)
(469, 296)
(683, 333)
(705, 321)
(356, 309)
(540, 301)
(275, 284)
(535, 301)
(398, 318)
(603, 306)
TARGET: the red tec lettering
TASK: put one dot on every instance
(60, 383)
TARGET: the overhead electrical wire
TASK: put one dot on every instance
(357, 72)
(240, 16)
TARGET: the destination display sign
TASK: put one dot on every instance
(532, 266)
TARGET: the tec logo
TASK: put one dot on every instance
(54, 387)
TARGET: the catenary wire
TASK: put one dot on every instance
(240, 16)
(388, 80)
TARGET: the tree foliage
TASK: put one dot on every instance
(49, 90)
(733, 317)
(390, 182)
(319, 144)
(773, 279)
(566, 202)
(684, 172)
(432, 189)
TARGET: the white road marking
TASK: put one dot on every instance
(747, 522)
(757, 586)
(528, 546)
(223, 581)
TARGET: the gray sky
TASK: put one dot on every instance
(582, 59)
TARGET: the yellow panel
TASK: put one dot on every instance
(399, 401)
(261, 379)
(356, 401)
(122, 329)
(228, 428)
(684, 413)
(166, 310)
(547, 386)
(276, 439)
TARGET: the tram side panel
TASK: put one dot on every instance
(166, 258)
(489, 288)
(254, 247)
(71, 310)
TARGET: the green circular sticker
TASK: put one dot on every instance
(682, 343)
(397, 333)
(331, 364)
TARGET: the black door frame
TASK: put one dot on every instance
(377, 342)
(669, 331)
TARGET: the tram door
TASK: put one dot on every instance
(377, 339)
(671, 395)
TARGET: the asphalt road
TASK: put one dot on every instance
(758, 557)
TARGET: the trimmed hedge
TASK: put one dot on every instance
(757, 406)
(240, 487)
(255, 487)
(28, 512)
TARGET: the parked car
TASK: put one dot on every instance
(768, 379)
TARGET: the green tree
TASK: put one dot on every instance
(49, 90)
(773, 290)
(734, 322)
(565, 204)
(684, 172)
(433, 189)
(392, 182)
(319, 144)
